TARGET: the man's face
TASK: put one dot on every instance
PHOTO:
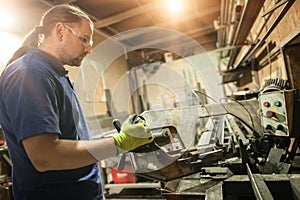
(79, 43)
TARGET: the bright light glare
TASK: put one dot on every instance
(7, 20)
(9, 43)
(174, 5)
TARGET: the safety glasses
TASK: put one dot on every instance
(86, 41)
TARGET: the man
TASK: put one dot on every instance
(47, 136)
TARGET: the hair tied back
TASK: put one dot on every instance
(38, 29)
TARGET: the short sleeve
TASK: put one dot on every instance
(32, 104)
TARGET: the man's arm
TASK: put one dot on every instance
(48, 152)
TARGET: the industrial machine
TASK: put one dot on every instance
(233, 150)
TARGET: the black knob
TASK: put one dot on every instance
(270, 114)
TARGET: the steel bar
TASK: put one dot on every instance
(248, 17)
(269, 31)
(259, 186)
(274, 7)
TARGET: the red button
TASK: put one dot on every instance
(266, 104)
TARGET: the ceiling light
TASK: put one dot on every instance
(174, 5)
(6, 22)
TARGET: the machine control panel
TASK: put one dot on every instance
(276, 111)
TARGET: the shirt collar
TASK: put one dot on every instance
(51, 60)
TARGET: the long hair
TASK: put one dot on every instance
(64, 13)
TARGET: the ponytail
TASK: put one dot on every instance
(30, 40)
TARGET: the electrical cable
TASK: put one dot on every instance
(196, 92)
(248, 112)
(219, 102)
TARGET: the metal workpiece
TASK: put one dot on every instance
(186, 118)
(163, 167)
(274, 164)
(215, 192)
(185, 152)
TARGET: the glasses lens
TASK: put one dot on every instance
(84, 39)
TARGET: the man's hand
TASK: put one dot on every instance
(134, 133)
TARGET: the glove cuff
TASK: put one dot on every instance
(118, 140)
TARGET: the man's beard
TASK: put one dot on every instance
(76, 61)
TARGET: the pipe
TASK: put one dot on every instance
(227, 16)
(236, 16)
(219, 25)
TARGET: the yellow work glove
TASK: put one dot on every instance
(134, 133)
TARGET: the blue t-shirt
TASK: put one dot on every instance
(37, 97)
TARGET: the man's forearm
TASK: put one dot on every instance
(47, 152)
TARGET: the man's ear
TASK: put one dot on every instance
(59, 31)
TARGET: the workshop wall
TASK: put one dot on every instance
(90, 85)
(276, 67)
(173, 84)
(270, 64)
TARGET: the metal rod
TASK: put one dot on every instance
(249, 15)
(259, 186)
(262, 40)
(7, 159)
(274, 7)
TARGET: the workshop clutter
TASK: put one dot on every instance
(123, 176)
